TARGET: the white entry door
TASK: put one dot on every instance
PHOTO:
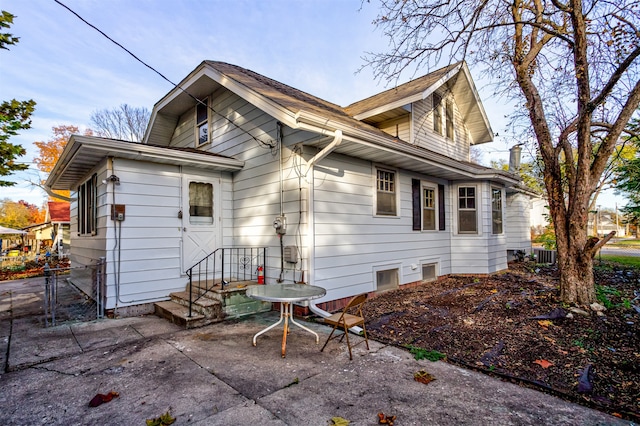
(200, 219)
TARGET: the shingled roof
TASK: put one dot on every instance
(404, 91)
(287, 97)
(58, 211)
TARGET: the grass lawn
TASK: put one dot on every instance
(626, 243)
(628, 261)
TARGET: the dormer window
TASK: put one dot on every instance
(202, 122)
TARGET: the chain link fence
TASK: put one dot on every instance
(65, 302)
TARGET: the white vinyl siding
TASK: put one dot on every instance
(349, 240)
(481, 252)
(399, 128)
(86, 250)
(425, 136)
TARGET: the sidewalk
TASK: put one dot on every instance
(214, 376)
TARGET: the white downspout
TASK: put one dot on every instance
(319, 156)
(337, 139)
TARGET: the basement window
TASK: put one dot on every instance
(429, 272)
(386, 279)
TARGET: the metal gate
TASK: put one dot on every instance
(64, 302)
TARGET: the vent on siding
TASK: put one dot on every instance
(429, 272)
(386, 280)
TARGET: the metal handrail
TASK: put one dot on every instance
(236, 264)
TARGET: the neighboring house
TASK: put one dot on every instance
(539, 214)
(375, 195)
(52, 234)
(59, 216)
(601, 223)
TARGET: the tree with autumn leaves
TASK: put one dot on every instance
(19, 214)
(49, 152)
(572, 68)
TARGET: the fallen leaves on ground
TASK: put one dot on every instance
(543, 363)
(386, 420)
(164, 420)
(339, 421)
(497, 332)
(100, 398)
(423, 377)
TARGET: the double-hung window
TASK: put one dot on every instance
(449, 119)
(202, 121)
(429, 202)
(467, 210)
(386, 187)
(87, 210)
(437, 113)
(496, 210)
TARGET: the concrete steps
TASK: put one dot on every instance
(212, 306)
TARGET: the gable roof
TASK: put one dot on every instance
(277, 99)
(300, 110)
(458, 79)
(58, 211)
(401, 95)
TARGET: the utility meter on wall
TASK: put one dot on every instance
(280, 224)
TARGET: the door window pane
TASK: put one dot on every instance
(200, 203)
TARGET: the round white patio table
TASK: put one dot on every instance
(285, 294)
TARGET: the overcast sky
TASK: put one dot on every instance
(71, 70)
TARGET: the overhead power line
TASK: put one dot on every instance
(261, 143)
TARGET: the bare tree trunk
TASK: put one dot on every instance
(576, 273)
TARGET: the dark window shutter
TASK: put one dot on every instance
(441, 218)
(415, 196)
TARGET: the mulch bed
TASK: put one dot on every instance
(511, 325)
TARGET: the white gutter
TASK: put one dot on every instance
(314, 123)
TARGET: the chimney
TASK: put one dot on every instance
(514, 158)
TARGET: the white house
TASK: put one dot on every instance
(373, 196)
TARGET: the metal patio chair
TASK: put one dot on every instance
(351, 316)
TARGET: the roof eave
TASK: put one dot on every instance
(311, 122)
(101, 147)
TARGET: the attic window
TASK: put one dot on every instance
(449, 118)
(202, 119)
(437, 113)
